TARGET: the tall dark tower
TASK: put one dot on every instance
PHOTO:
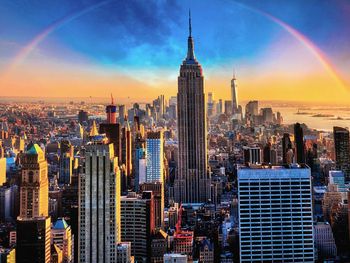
(112, 129)
(192, 182)
(299, 143)
(286, 147)
(342, 150)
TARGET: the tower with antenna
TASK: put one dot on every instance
(234, 98)
(192, 182)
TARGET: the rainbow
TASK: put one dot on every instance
(28, 48)
(305, 41)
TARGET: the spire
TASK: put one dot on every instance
(190, 47)
(112, 100)
(234, 74)
(93, 131)
(189, 23)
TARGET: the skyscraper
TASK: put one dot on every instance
(234, 94)
(286, 148)
(275, 214)
(33, 222)
(342, 150)
(137, 224)
(99, 203)
(34, 184)
(66, 162)
(154, 157)
(192, 182)
(126, 142)
(299, 143)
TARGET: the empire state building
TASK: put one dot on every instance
(192, 181)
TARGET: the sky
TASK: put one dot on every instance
(288, 50)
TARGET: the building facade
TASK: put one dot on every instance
(275, 214)
(192, 182)
(99, 203)
(154, 157)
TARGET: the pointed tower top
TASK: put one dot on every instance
(189, 23)
(190, 58)
(93, 131)
(112, 99)
(234, 73)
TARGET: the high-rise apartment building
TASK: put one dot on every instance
(157, 189)
(299, 143)
(137, 224)
(275, 214)
(66, 162)
(99, 203)
(154, 157)
(192, 182)
(342, 150)
(286, 149)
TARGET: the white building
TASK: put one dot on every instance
(99, 203)
(154, 157)
(275, 214)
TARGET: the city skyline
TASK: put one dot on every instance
(71, 49)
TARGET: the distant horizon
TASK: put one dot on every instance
(106, 100)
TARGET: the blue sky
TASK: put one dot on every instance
(151, 35)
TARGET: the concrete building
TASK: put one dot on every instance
(252, 155)
(124, 253)
(61, 236)
(175, 258)
(324, 241)
(157, 189)
(275, 214)
(66, 162)
(192, 182)
(33, 222)
(137, 224)
(99, 203)
(342, 150)
(159, 246)
(33, 240)
(34, 184)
